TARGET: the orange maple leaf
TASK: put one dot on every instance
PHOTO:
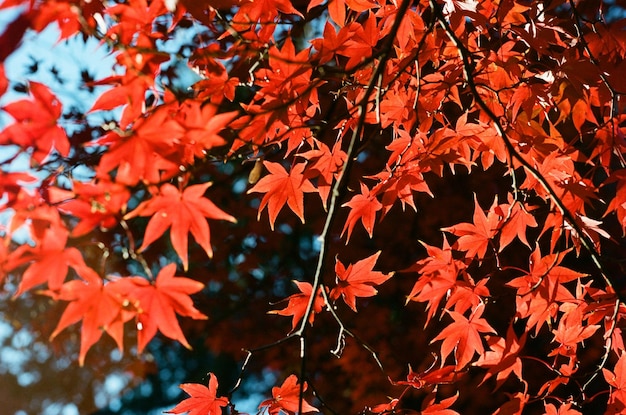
(474, 237)
(617, 380)
(296, 307)
(36, 123)
(282, 187)
(184, 211)
(357, 280)
(50, 260)
(431, 407)
(429, 378)
(157, 305)
(463, 336)
(325, 165)
(517, 219)
(202, 400)
(363, 207)
(98, 305)
(503, 359)
(286, 398)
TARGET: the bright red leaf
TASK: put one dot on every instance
(158, 304)
(362, 207)
(184, 212)
(474, 237)
(36, 123)
(358, 280)
(49, 261)
(100, 307)
(282, 187)
(202, 400)
(297, 304)
(286, 398)
(464, 336)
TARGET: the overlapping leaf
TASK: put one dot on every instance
(183, 212)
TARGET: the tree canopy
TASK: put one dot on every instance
(353, 206)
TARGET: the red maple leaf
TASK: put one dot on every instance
(431, 407)
(325, 165)
(157, 305)
(98, 305)
(428, 378)
(439, 272)
(94, 204)
(142, 153)
(474, 237)
(50, 260)
(540, 290)
(357, 280)
(296, 307)
(203, 125)
(202, 400)
(571, 331)
(516, 219)
(503, 359)
(564, 409)
(364, 207)
(617, 380)
(463, 336)
(286, 398)
(184, 211)
(265, 10)
(282, 187)
(36, 123)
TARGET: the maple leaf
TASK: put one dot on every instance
(357, 280)
(282, 187)
(364, 207)
(431, 407)
(98, 305)
(502, 359)
(439, 273)
(571, 331)
(296, 307)
(326, 165)
(203, 124)
(202, 400)
(142, 152)
(463, 336)
(157, 305)
(517, 219)
(419, 380)
(36, 124)
(264, 10)
(51, 260)
(385, 408)
(617, 380)
(474, 237)
(184, 211)
(540, 290)
(564, 409)
(286, 398)
(94, 204)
